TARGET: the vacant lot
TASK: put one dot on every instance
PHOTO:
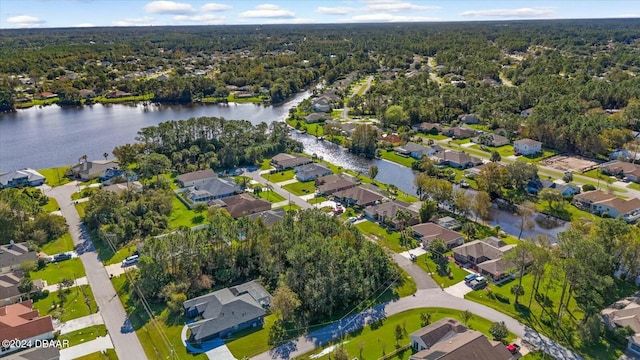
(570, 163)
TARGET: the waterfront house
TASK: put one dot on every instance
(387, 213)
(117, 94)
(412, 149)
(449, 222)
(457, 159)
(527, 147)
(284, 161)
(321, 105)
(226, 311)
(87, 170)
(311, 171)
(357, 196)
(195, 177)
(118, 188)
(603, 204)
(211, 189)
(329, 184)
(316, 117)
(20, 178)
(428, 232)
(45, 95)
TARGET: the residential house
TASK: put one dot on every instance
(433, 150)
(566, 189)
(211, 189)
(459, 132)
(227, 311)
(87, 93)
(448, 339)
(357, 196)
(109, 174)
(625, 313)
(284, 161)
(491, 139)
(321, 105)
(9, 287)
(412, 149)
(392, 139)
(347, 129)
(87, 170)
(36, 353)
(469, 119)
(449, 222)
(329, 184)
(311, 171)
(269, 217)
(121, 187)
(527, 147)
(244, 204)
(622, 169)
(45, 95)
(195, 177)
(427, 127)
(526, 112)
(117, 94)
(624, 154)
(316, 117)
(20, 321)
(11, 255)
(428, 232)
(387, 213)
(457, 159)
(486, 256)
(536, 185)
(475, 171)
(600, 203)
(20, 178)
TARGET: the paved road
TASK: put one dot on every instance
(345, 109)
(255, 175)
(127, 345)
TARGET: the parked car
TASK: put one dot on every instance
(413, 257)
(61, 257)
(352, 219)
(130, 260)
(470, 277)
(513, 348)
(478, 283)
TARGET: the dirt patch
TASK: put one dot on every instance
(570, 163)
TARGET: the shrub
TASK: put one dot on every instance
(588, 187)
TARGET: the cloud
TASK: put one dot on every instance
(268, 11)
(510, 13)
(200, 19)
(385, 17)
(168, 7)
(335, 10)
(25, 21)
(399, 7)
(84, 25)
(143, 21)
(215, 7)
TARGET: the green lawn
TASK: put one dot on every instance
(271, 196)
(317, 200)
(79, 303)
(280, 176)
(54, 273)
(55, 176)
(149, 332)
(567, 212)
(84, 335)
(87, 192)
(634, 186)
(122, 254)
(537, 355)
(433, 137)
(52, 205)
(538, 157)
(373, 342)
(461, 141)
(110, 354)
(105, 100)
(388, 239)
(62, 244)
(34, 102)
(315, 129)
(336, 113)
(402, 160)
(504, 150)
(266, 164)
(290, 207)
(301, 188)
(181, 215)
(80, 208)
(429, 266)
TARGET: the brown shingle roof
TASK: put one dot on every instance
(431, 231)
(332, 183)
(626, 168)
(594, 196)
(360, 195)
(529, 142)
(197, 175)
(245, 204)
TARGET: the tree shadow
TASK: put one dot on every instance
(199, 219)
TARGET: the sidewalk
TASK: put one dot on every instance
(79, 323)
(79, 282)
(98, 345)
(287, 182)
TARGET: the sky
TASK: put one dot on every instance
(86, 13)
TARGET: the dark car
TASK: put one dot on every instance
(61, 257)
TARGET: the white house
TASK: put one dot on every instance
(527, 147)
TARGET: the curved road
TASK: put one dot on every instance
(367, 85)
(127, 345)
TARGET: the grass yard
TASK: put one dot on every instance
(122, 254)
(433, 137)
(301, 188)
(317, 200)
(54, 273)
(181, 215)
(291, 207)
(280, 176)
(87, 192)
(55, 176)
(79, 303)
(316, 129)
(149, 332)
(271, 196)
(84, 335)
(336, 113)
(35, 102)
(266, 164)
(373, 342)
(539, 157)
(429, 266)
(567, 212)
(52, 205)
(537, 355)
(461, 141)
(110, 354)
(62, 244)
(402, 160)
(80, 208)
(504, 150)
(388, 239)
(105, 100)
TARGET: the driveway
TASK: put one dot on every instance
(127, 345)
(98, 345)
(79, 323)
(417, 252)
(458, 290)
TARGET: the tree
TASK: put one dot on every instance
(154, 164)
(395, 116)
(481, 204)
(175, 303)
(492, 178)
(399, 334)
(363, 140)
(26, 285)
(285, 302)
(519, 173)
(437, 248)
(127, 154)
(62, 296)
(551, 196)
(341, 354)
(278, 333)
(590, 330)
(567, 177)
(462, 202)
(427, 210)
(373, 171)
(517, 291)
(499, 331)
(67, 283)
(466, 316)
(495, 156)
(425, 319)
